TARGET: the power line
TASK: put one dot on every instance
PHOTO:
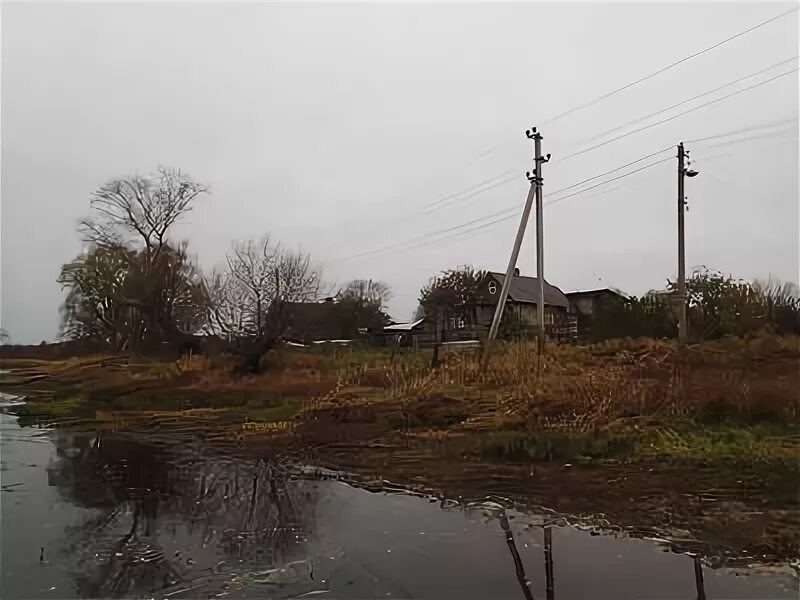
(653, 164)
(499, 216)
(668, 67)
(511, 212)
(509, 175)
(745, 130)
(433, 180)
(424, 236)
(762, 136)
(515, 177)
(499, 184)
(624, 135)
(515, 212)
(704, 159)
(682, 102)
(569, 187)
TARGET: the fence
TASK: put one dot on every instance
(564, 331)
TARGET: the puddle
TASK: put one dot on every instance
(117, 517)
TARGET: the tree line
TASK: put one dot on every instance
(136, 289)
(718, 305)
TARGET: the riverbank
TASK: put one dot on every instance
(731, 401)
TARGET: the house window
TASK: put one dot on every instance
(549, 317)
(458, 322)
(492, 287)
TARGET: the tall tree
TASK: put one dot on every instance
(362, 304)
(94, 306)
(111, 298)
(451, 294)
(454, 292)
(140, 210)
(721, 305)
(133, 284)
(368, 292)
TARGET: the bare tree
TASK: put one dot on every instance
(250, 300)
(368, 292)
(140, 208)
(362, 304)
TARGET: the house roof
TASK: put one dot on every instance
(526, 290)
(596, 292)
(403, 326)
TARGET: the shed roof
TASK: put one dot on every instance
(596, 292)
(526, 290)
(403, 326)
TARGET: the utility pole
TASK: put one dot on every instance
(683, 330)
(512, 261)
(539, 160)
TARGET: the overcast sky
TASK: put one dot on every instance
(336, 127)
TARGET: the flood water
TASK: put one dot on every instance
(97, 514)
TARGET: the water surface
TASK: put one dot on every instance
(120, 517)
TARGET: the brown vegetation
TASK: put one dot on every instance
(612, 387)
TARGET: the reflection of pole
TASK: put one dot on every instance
(698, 578)
(523, 581)
(548, 563)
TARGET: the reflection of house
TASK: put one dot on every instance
(473, 320)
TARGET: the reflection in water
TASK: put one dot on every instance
(165, 522)
(698, 578)
(520, 570)
(548, 563)
(181, 519)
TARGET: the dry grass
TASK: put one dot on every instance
(572, 388)
(605, 386)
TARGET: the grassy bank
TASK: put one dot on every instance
(730, 400)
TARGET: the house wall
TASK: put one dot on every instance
(594, 312)
(523, 316)
(583, 305)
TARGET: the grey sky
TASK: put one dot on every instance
(332, 127)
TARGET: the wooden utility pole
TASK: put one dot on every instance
(512, 261)
(681, 300)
